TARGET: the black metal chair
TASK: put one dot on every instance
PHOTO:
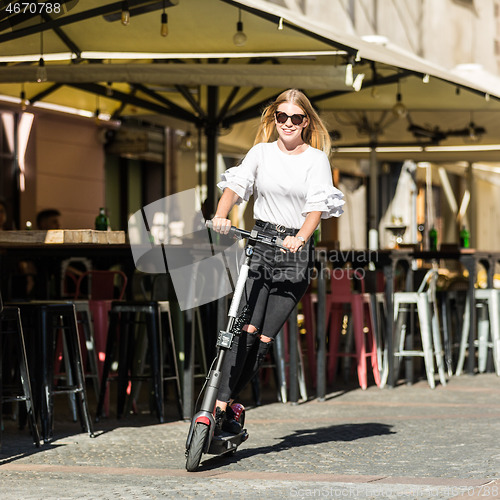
(135, 349)
(13, 351)
(44, 322)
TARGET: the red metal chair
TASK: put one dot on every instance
(309, 303)
(343, 293)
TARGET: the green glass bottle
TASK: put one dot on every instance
(102, 221)
(464, 237)
(433, 239)
(317, 236)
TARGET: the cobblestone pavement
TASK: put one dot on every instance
(409, 442)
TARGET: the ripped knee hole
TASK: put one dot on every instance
(249, 328)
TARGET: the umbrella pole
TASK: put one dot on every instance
(211, 131)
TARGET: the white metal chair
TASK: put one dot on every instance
(488, 330)
(428, 316)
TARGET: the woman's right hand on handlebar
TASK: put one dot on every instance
(221, 225)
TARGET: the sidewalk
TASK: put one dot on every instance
(409, 442)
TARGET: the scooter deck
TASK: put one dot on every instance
(226, 442)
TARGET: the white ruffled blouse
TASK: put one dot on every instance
(285, 187)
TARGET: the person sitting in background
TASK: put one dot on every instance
(31, 285)
(48, 219)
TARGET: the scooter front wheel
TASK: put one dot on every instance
(193, 458)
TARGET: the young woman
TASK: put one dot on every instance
(291, 181)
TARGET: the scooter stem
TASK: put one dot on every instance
(213, 383)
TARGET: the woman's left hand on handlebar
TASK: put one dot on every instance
(293, 243)
(221, 225)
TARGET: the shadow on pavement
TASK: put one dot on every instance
(306, 437)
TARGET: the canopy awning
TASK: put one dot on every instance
(135, 72)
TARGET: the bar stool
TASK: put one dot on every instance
(161, 289)
(14, 349)
(278, 361)
(488, 330)
(428, 317)
(123, 317)
(309, 303)
(87, 347)
(452, 302)
(45, 321)
(344, 296)
(375, 299)
(99, 288)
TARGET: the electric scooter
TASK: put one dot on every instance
(201, 438)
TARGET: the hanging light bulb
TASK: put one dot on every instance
(239, 38)
(97, 111)
(186, 143)
(164, 24)
(399, 109)
(280, 24)
(475, 134)
(41, 71)
(125, 13)
(24, 101)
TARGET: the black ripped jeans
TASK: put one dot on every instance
(276, 283)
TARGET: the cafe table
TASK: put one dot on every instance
(48, 249)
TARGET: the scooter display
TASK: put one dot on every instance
(201, 438)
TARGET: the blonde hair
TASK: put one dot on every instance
(315, 134)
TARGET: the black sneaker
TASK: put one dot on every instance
(229, 423)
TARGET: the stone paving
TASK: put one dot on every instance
(409, 442)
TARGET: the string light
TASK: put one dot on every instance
(97, 111)
(399, 109)
(41, 72)
(24, 101)
(125, 13)
(164, 22)
(239, 38)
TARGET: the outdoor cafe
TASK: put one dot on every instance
(387, 303)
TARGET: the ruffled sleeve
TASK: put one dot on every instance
(322, 195)
(326, 199)
(241, 179)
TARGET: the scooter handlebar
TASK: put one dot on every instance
(263, 238)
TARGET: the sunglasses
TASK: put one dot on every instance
(282, 117)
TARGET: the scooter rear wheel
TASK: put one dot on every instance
(200, 434)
